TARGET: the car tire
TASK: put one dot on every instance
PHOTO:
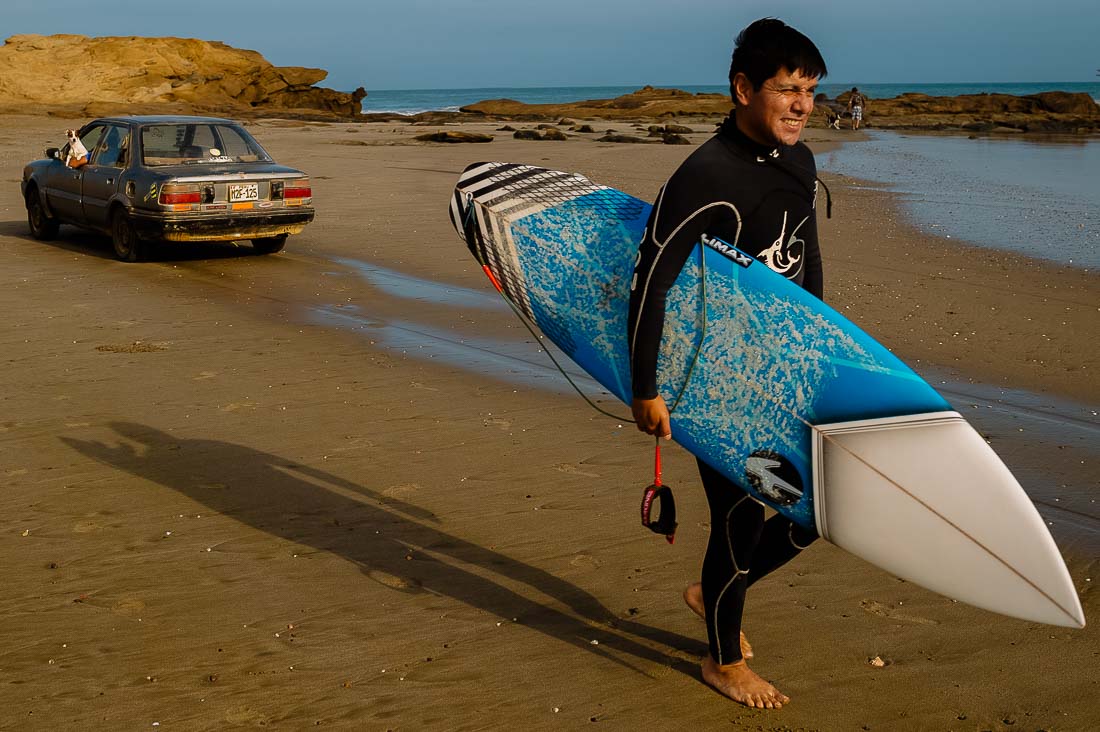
(128, 246)
(43, 226)
(270, 244)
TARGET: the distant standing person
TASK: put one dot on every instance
(855, 106)
(753, 185)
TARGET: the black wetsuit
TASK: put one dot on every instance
(760, 199)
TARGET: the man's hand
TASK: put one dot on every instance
(651, 415)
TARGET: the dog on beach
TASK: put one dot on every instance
(832, 119)
(78, 154)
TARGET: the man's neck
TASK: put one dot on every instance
(751, 139)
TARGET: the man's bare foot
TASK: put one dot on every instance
(693, 596)
(740, 683)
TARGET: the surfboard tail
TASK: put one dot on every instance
(950, 516)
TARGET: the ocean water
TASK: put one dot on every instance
(412, 101)
(1037, 198)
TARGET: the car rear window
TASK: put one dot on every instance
(199, 144)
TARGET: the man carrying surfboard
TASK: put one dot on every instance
(752, 185)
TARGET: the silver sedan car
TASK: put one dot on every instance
(168, 178)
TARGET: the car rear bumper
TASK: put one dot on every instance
(223, 227)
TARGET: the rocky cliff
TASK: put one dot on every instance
(82, 76)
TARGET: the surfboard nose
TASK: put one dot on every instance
(925, 498)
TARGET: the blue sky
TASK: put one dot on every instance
(407, 44)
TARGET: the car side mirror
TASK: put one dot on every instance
(53, 152)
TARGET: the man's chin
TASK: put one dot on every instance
(788, 136)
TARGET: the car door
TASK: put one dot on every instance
(102, 174)
(64, 189)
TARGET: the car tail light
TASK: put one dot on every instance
(173, 193)
(298, 189)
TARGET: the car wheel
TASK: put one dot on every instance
(270, 244)
(125, 239)
(43, 226)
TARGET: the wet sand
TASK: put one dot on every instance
(339, 486)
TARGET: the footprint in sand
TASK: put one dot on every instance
(86, 527)
(246, 716)
(128, 606)
(235, 406)
(392, 581)
(883, 610)
(585, 561)
(574, 470)
(353, 443)
(401, 490)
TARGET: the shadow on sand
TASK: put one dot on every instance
(317, 509)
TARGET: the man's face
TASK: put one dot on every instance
(775, 113)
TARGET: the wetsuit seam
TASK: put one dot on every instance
(737, 573)
(660, 245)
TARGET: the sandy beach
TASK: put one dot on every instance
(340, 487)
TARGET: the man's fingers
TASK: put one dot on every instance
(651, 417)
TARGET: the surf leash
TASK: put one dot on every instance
(658, 493)
(471, 229)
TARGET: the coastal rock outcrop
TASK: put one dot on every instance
(82, 76)
(647, 102)
(1053, 111)
(453, 136)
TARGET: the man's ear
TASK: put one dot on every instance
(742, 89)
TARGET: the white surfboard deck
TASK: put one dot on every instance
(969, 530)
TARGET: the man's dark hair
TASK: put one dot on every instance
(768, 45)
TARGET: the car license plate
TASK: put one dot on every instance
(244, 192)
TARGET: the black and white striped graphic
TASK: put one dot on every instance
(500, 194)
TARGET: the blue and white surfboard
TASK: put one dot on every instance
(773, 388)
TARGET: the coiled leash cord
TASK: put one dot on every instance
(657, 492)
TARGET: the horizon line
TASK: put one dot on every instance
(680, 85)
